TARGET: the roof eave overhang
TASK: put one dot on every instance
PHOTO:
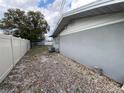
(92, 10)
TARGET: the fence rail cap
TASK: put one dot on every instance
(5, 36)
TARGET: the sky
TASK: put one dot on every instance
(50, 8)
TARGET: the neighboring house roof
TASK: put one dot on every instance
(93, 9)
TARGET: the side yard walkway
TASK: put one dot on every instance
(41, 72)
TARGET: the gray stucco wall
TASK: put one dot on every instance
(102, 47)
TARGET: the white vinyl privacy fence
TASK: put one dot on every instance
(12, 49)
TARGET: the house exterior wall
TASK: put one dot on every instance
(101, 46)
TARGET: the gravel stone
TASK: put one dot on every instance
(41, 72)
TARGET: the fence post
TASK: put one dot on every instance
(20, 48)
(12, 50)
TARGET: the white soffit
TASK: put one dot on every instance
(93, 22)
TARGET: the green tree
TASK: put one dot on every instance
(31, 25)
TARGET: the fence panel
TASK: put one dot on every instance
(16, 49)
(12, 49)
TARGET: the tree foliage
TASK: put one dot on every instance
(29, 25)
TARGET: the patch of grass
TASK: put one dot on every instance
(38, 50)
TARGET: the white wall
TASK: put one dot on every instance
(101, 46)
(11, 50)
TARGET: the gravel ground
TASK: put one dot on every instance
(41, 72)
